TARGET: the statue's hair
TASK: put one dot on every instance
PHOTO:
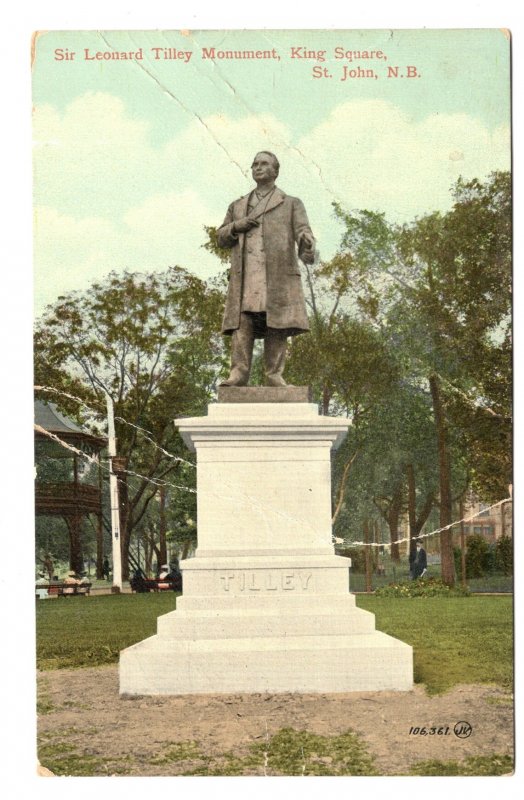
(273, 156)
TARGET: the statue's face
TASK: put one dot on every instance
(263, 167)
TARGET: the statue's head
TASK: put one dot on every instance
(263, 162)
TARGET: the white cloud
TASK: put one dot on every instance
(72, 253)
(374, 156)
(108, 198)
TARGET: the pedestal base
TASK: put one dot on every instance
(266, 624)
(266, 605)
(369, 662)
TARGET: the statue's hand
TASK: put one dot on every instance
(307, 248)
(308, 256)
(307, 241)
(244, 224)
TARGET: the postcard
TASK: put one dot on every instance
(273, 405)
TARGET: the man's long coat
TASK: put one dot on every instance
(283, 222)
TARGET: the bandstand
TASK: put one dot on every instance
(72, 499)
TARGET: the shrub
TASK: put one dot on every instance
(421, 587)
(357, 556)
(504, 555)
(477, 556)
(457, 556)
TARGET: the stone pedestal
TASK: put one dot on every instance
(266, 604)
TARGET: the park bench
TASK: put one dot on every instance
(164, 584)
(61, 589)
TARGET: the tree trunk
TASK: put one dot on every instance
(375, 549)
(446, 537)
(123, 500)
(341, 488)
(185, 548)
(463, 544)
(367, 554)
(162, 527)
(148, 555)
(326, 397)
(393, 520)
(412, 513)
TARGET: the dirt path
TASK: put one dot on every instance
(134, 735)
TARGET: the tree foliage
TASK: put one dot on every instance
(149, 341)
(436, 294)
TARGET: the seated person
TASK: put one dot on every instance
(71, 580)
(84, 584)
(138, 581)
(164, 577)
(42, 584)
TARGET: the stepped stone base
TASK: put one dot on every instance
(368, 662)
(275, 625)
(266, 604)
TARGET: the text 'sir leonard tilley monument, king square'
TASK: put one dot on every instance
(266, 604)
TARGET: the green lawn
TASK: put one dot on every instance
(87, 631)
(455, 640)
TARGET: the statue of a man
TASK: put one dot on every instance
(265, 298)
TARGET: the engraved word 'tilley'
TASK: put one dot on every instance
(266, 581)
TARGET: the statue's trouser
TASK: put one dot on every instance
(275, 347)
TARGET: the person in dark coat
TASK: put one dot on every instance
(138, 581)
(265, 298)
(421, 562)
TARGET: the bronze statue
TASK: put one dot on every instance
(265, 299)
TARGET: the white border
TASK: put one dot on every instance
(17, 728)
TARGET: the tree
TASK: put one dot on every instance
(439, 290)
(151, 342)
(462, 297)
(355, 368)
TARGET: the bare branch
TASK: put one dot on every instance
(342, 486)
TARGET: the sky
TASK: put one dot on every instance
(133, 157)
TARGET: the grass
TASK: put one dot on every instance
(474, 765)
(291, 752)
(455, 640)
(63, 758)
(491, 583)
(91, 631)
(288, 752)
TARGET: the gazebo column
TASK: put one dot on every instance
(76, 558)
(99, 547)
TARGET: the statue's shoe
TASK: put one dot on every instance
(236, 378)
(276, 380)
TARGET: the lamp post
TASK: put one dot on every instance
(113, 491)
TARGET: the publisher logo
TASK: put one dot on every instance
(462, 730)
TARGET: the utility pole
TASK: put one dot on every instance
(113, 491)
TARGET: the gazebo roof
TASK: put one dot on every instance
(50, 419)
